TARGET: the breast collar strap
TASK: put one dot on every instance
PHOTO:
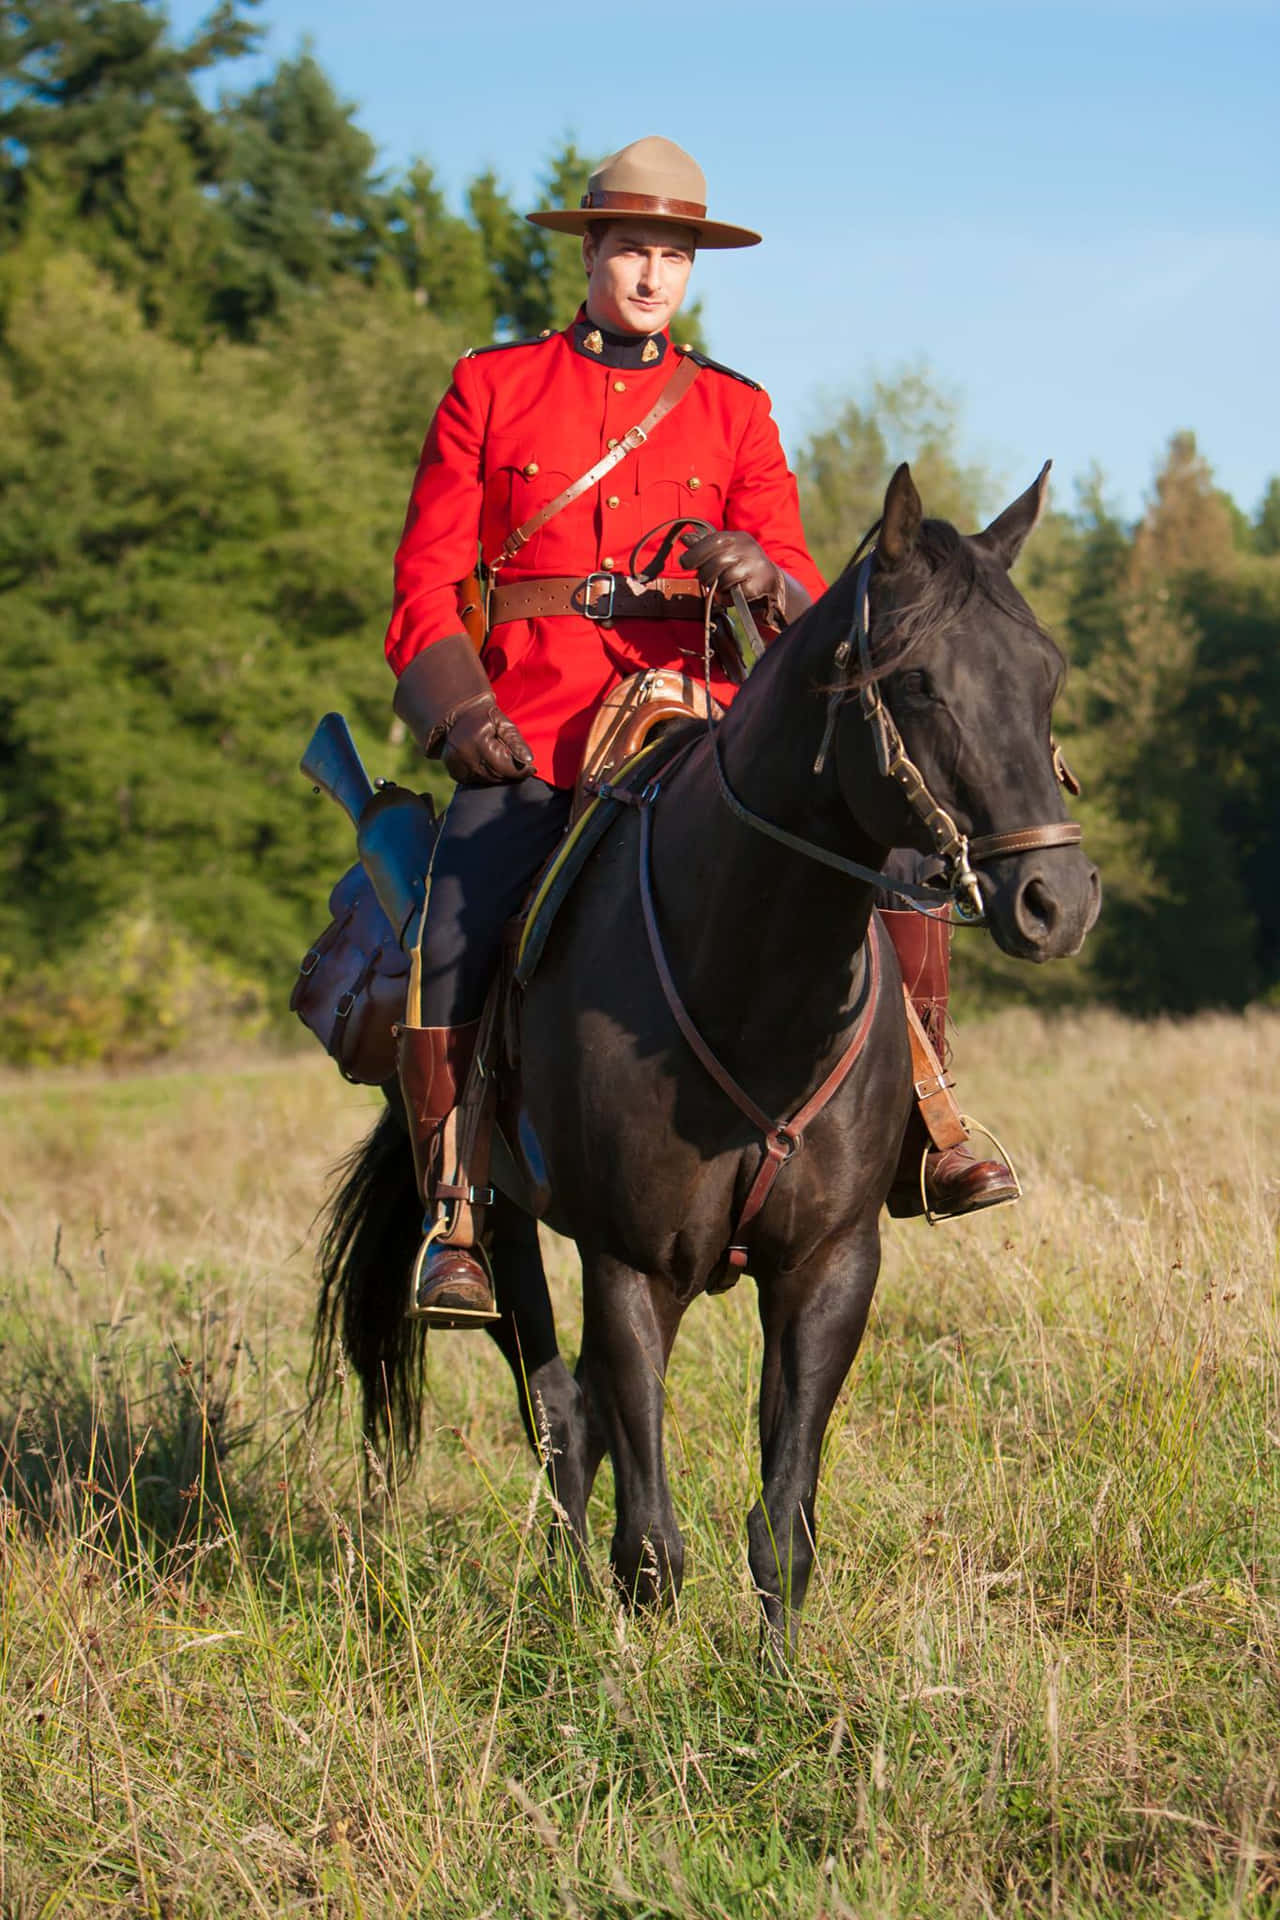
(780, 1139)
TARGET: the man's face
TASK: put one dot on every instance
(637, 272)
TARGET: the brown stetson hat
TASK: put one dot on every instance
(654, 179)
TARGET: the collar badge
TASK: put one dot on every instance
(593, 343)
(650, 351)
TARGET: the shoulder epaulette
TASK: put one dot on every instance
(703, 360)
(504, 346)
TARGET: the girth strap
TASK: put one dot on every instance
(781, 1138)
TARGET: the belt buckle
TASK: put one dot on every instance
(589, 606)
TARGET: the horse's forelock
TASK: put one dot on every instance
(948, 570)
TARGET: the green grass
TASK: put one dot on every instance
(1040, 1671)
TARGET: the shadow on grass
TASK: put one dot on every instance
(124, 1446)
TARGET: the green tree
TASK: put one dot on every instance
(536, 274)
(845, 464)
(194, 564)
(439, 256)
(302, 201)
(81, 79)
(1177, 651)
(1266, 523)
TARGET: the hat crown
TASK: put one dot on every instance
(650, 179)
(653, 167)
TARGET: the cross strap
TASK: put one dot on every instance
(670, 397)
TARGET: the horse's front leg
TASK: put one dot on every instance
(813, 1317)
(552, 1405)
(629, 1324)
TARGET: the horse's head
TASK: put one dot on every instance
(967, 678)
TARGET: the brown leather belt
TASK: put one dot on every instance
(597, 596)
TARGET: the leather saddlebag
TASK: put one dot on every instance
(351, 986)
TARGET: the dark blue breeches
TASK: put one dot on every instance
(492, 844)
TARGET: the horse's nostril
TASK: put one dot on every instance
(1037, 909)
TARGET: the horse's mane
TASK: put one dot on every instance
(953, 573)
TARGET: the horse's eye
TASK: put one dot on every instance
(915, 687)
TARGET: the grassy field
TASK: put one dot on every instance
(1041, 1668)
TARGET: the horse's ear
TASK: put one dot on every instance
(1005, 536)
(900, 520)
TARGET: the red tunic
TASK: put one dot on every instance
(518, 424)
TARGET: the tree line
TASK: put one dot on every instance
(222, 332)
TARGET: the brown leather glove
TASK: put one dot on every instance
(730, 560)
(482, 748)
(444, 698)
(725, 560)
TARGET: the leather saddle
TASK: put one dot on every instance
(641, 707)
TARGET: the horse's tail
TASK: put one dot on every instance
(373, 1225)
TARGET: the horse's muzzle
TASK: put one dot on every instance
(1040, 905)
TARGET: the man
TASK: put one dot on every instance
(519, 425)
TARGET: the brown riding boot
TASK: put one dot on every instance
(939, 1174)
(451, 1285)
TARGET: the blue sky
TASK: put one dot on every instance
(1071, 213)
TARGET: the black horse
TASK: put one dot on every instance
(649, 1161)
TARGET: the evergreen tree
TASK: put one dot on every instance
(1187, 526)
(536, 274)
(439, 256)
(299, 191)
(845, 465)
(79, 82)
(1266, 524)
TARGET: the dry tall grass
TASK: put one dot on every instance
(1040, 1668)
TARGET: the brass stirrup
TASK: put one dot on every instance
(445, 1317)
(971, 1127)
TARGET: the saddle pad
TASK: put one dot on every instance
(576, 849)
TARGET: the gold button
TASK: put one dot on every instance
(611, 444)
(530, 470)
(608, 563)
(694, 482)
(612, 501)
(619, 386)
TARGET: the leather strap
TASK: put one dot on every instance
(781, 1138)
(932, 1086)
(993, 846)
(599, 596)
(788, 1138)
(671, 396)
(612, 200)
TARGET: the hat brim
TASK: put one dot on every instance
(711, 233)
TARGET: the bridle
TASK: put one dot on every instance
(958, 853)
